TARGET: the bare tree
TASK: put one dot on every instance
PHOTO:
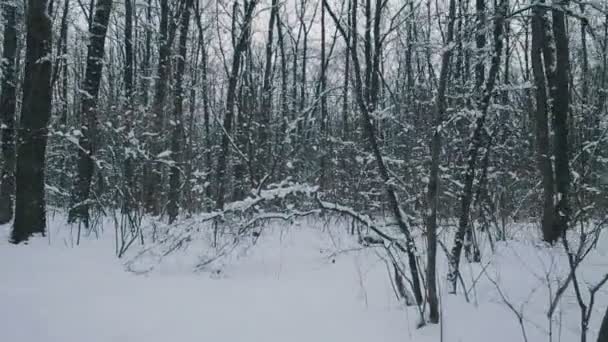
(8, 102)
(433, 187)
(367, 109)
(539, 36)
(30, 211)
(152, 176)
(81, 201)
(178, 121)
(239, 50)
(482, 104)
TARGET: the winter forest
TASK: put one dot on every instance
(304, 170)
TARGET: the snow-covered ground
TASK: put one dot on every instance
(297, 283)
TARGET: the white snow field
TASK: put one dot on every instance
(307, 283)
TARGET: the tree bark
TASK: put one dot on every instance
(284, 115)
(129, 106)
(145, 64)
(79, 211)
(30, 215)
(603, 334)
(239, 51)
(153, 177)
(433, 187)
(539, 36)
(482, 105)
(178, 124)
(8, 102)
(263, 152)
(324, 120)
(370, 134)
(561, 107)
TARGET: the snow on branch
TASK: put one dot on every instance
(361, 218)
(236, 220)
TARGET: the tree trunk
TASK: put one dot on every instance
(63, 121)
(205, 95)
(323, 148)
(239, 50)
(129, 106)
(542, 122)
(145, 64)
(8, 101)
(30, 215)
(284, 115)
(603, 334)
(482, 104)
(153, 185)
(433, 187)
(370, 134)
(263, 147)
(346, 85)
(178, 125)
(79, 211)
(560, 107)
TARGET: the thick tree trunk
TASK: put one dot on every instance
(178, 126)
(8, 101)
(542, 122)
(560, 107)
(79, 210)
(30, 215)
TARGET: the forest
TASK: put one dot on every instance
(444, 138)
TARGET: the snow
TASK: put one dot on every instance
(306, 282)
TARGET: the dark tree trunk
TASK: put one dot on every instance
(471, 251)
(482, 104)
(79, 211)
(324, 120)
(345, 87)
(239, 51)
(128, 73)
(480, 42)
(284, 115)
(30, 215)
(178, 128)
(370, 135)
(205, 95)
(367, 49)
(63, 121)
(603, 334)
(129, 117)
(560, 107)
(263, 154)
(8, 101)
(145, 64)
(153, 184)
(433, 187)
(542, 122)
